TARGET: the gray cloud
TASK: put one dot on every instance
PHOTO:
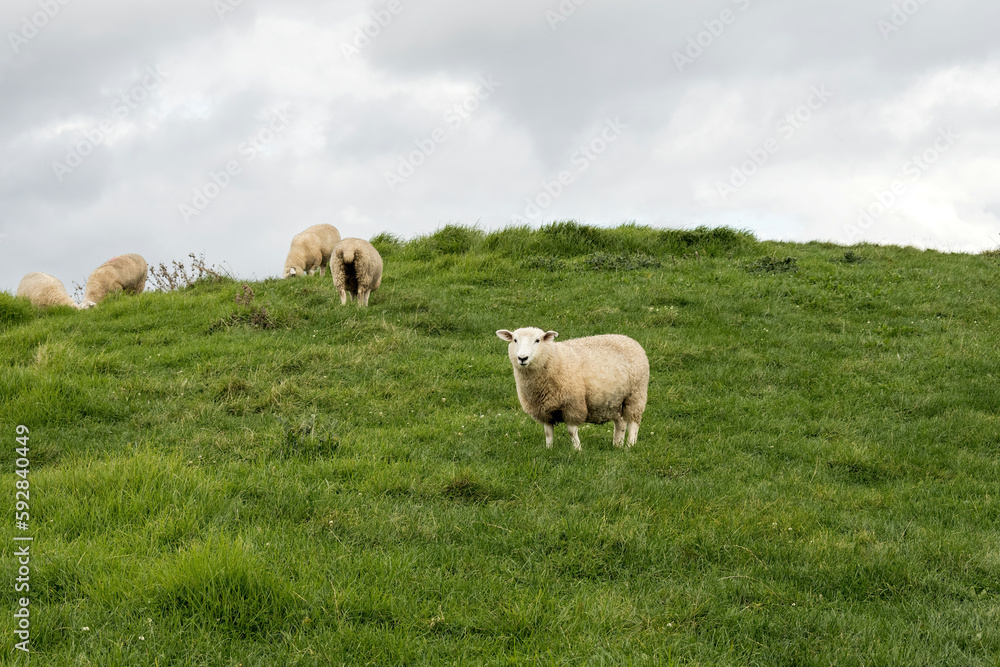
(357, 118)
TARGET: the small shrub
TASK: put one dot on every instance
(166, 279)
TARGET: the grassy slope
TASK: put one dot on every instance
(815, 480)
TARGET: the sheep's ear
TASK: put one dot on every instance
(550, 336)
(503, 334)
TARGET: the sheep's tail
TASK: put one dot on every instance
(348, 255)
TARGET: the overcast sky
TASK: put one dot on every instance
(226, 126)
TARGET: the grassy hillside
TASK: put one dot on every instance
(286, 481)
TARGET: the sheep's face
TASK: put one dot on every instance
(293, 271)
(528, 346)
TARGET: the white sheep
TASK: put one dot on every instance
(122, 273)
(311, 251)
(595, 379)
(357, 269)
(44, 290)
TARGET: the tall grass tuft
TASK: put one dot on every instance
(387, 244)
(15, 312)
(572, 239)
(222, 583)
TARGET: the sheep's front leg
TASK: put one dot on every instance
(549, 431)
(619, 437)
(633, 432)
(574, 434)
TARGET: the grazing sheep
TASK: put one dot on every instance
(595, 379)
(122, 273)
(356, 269)
(44, 290)
(311, 250)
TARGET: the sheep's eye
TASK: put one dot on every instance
(538, 340)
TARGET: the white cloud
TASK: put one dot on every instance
(355, 118)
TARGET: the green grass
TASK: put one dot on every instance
(287, 481)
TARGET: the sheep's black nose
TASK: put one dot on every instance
(523, 360)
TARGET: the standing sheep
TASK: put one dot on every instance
(595, 379)
(311, 250)
(122, 273)
(44, 290)
(357, 269)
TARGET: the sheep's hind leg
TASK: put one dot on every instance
(574, 434)
(343, 296)
(633, 432)
(549, 430)
(619, 438)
